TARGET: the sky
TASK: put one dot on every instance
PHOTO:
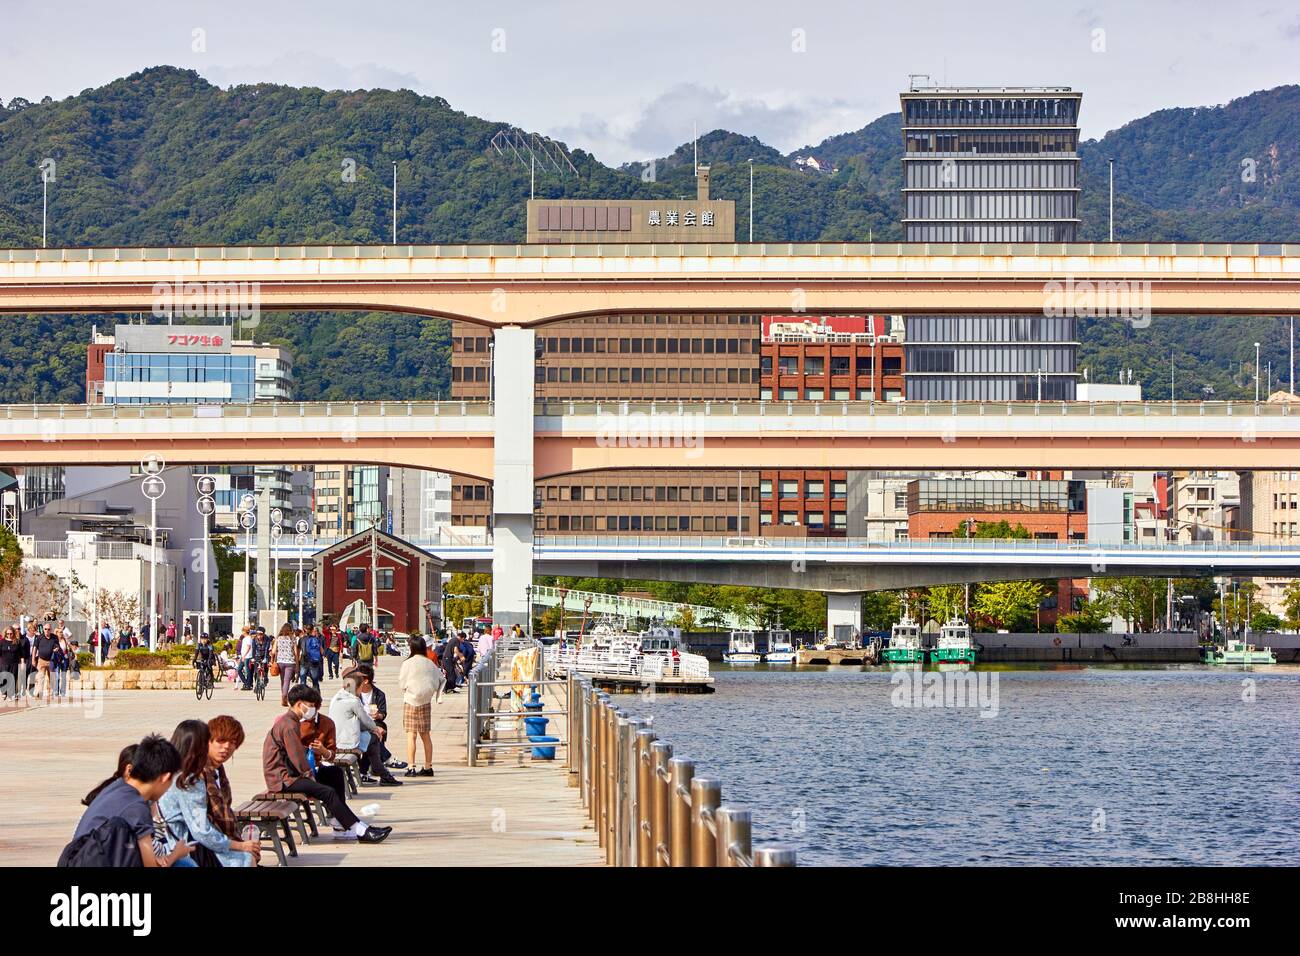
(629, 80)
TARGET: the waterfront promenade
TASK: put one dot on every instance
(511, 812)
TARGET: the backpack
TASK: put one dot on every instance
(312, 649)
(111, 844)
(365, 651)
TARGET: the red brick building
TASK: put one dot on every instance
(849, 358)
(406, 577)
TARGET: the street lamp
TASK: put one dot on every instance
(247, 521)
(69, 544)
(1257, 372)
(153, 487)
(206, 506)
(277, 532)
(300, 539)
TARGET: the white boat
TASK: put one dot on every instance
(905, 646)
(608, 651)
(955, 645)
(780, 649)
(741, 648)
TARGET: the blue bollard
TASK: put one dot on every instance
(543, 753)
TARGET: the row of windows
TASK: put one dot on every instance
(812, 488)
(983, 329)
(988, 111)
(706, 376)
(839, 365)
(1285, 501)
(988, 388)
(992, 143)
(991, 231)
(237, 395)
(643, 523)
(585, 218)
(730, 493)
(649, 346)
(812, 520)
(980, 174)
(994, 495)
(985, 358)
(834, 394)
(1025, 205)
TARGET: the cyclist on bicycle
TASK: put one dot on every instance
(203, 655)
(260, 654)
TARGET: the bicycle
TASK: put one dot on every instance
(259, 680)
(203, 682)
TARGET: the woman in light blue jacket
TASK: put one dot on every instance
(185, 805)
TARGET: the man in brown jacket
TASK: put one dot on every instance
(287, 767)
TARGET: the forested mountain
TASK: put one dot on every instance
(165, 157)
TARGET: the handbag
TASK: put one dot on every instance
(274, 669)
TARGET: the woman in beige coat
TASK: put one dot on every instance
(419, 679)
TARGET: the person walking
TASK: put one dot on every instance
(419, 680)
(10, 658)
(60, 664)
(43, 647)
(313, 657)
(285, 657)
(333, 648)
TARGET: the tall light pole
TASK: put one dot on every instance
(1291, 384)
(374, 574)
(394, 202)
(751, 200)
(300, 539)
(247, 521)
(153, 487)
(206, 506)
(68, 545)
(1257, 372)
(1111, 163)
(277, 531)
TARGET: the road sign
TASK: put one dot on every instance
(152, 464)
(301, 526)
(247, 520)
(206, 484)
(206, 506)
(247, 503)
(153, 487)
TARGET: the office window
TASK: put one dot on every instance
(356, 579)
(384, 578)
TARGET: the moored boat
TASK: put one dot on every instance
(955, 645)
(1239, 652)
(741, 648)
(780, 649)
(905, 645)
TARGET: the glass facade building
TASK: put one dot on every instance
(990, 165)
(141, 378)
(997, 496)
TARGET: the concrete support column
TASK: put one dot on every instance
(843, 615)
(513, 361)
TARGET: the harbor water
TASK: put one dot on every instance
(1095, 765)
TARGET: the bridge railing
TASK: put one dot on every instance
(649, 807)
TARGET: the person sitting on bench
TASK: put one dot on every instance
(287, 767)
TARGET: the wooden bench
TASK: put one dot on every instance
(305, 810)
(349, 761)
(270, 816)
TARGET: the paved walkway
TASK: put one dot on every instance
(515, 812)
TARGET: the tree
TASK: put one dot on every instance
(684, 618)
(1139, 601)
(943, 602)
(1233, 611)
(880, 609)
(1263, 620)
(1008, 604)
(1002, 530)
(11, 556)
(228, 562)
(1291, 604)
(1092, 617)
(34, 592)
(119, 608)
(474, 604)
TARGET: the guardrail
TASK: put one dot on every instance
(648, 806)
(482, 732)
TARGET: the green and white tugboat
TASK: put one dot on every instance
(1237, 651)
(955, 645)
(905, 646)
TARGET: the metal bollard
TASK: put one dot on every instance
(775, 855)
(735, 829)
(645, 737)
(627, 787)
(681, 771)
(660, 810)
(706, 797)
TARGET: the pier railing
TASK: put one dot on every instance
(649, 807)
(491, 730)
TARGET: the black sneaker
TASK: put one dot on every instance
(423, 772)
(411, 772)
(396, 764)
(389, 781)
(375, 835)
(368, 781)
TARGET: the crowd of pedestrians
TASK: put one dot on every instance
(37, 661)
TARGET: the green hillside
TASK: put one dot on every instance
(164, 157)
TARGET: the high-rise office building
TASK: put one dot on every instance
(990, 164)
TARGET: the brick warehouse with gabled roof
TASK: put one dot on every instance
(407, 577)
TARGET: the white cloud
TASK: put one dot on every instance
(312, 69)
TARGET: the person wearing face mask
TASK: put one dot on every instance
(286, 767)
